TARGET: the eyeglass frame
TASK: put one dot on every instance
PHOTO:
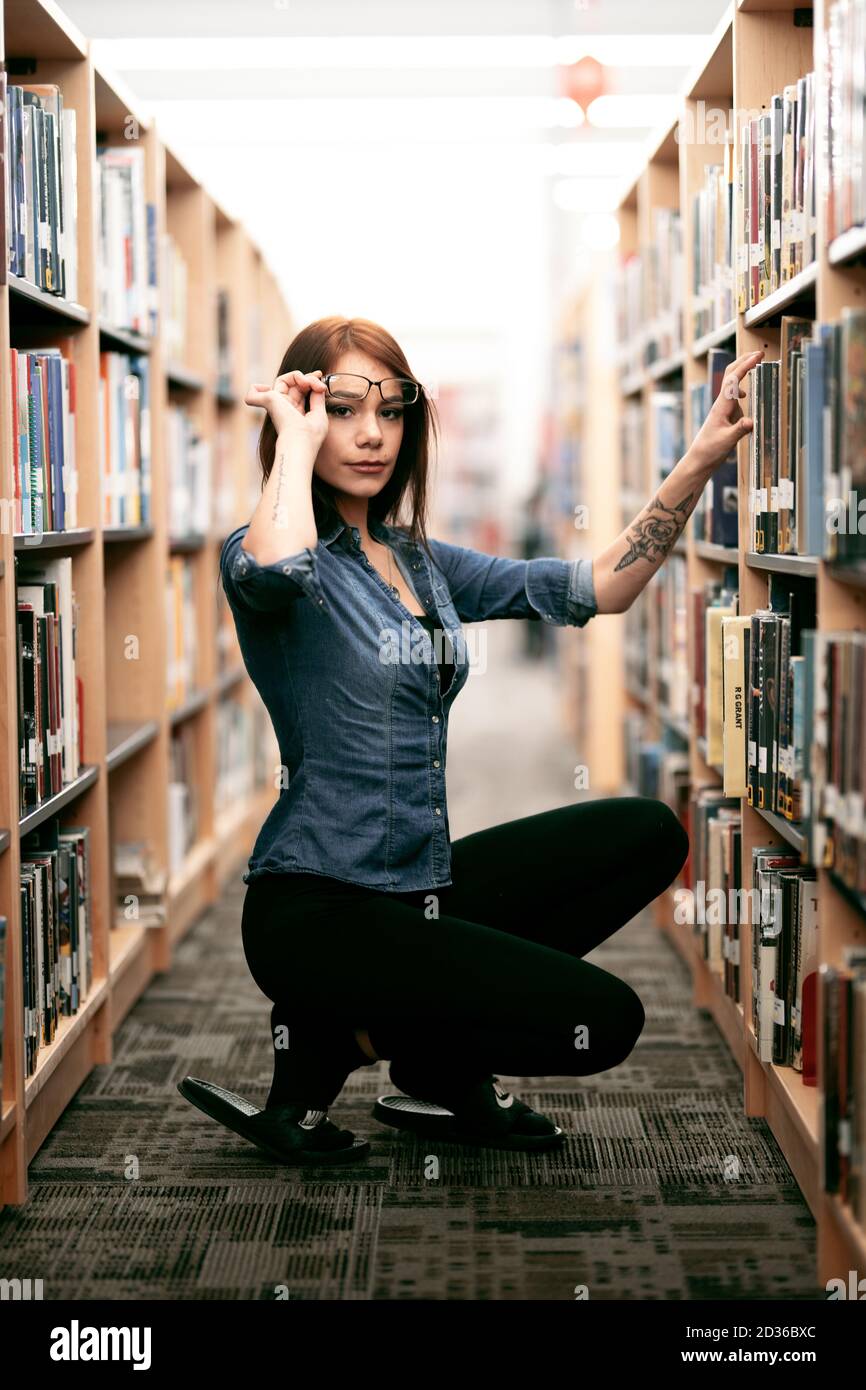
(361, 377)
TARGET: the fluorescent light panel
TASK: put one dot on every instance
(424, 51)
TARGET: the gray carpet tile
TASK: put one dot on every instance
(663, 1190)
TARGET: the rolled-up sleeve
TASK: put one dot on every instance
(268, 588)
(560, 592)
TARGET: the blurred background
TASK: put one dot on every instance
(445, 167)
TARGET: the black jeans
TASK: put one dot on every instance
(483, 976)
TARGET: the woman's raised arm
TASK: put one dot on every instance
(623, 569)
(283, 522)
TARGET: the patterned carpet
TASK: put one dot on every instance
(135, 1194)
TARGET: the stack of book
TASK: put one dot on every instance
(126, 253)
(714, 881)
(663, 261)
(184, 809)
(709, 605)
(785, 926)
(55, 896)
(40, 174)
(667, 590)
(630, 316)
(843, 1078)
(44, 462)
(712, 303)
(50, 694)
(666, 433)
(235, 753)
(715, 518)
(124, 438)
(835, 819)
(139, 884)
(181, 643)
(807, 450)
(189, 471)
(776, 193)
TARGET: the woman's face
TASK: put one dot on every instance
(367, 432)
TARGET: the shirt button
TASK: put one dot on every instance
(438, 810)
(435, 718)
(435, 762)
(287, 569)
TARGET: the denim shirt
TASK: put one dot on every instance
(350, 680)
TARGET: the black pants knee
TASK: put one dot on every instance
(485, 975)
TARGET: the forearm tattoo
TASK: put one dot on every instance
(281, 472)
(653, 536)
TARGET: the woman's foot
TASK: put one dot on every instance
(292, 1132)
(482, 1112)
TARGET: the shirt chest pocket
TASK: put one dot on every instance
(445, 603)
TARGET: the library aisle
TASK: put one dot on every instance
(637, 1204)
(572, 299)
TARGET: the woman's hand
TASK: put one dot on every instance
(285, 402)
(725, 424)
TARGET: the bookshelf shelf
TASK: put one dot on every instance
(791, 295)
(633, 384)
(186, 545)
(717, 338)
(69, 1032)
(718, 554)
(53, 804)
(192, 705)
(112, 335)
(118, 535)
(760, 48)
(228, 679)
(54, 540)
(126, 941)
(135, 748)
(789, 830)
(855, 575)
(848, 247)
(669, 367)
(26, 297)
(853, 898)
(125, 738)
(806, 565)
(183, 379)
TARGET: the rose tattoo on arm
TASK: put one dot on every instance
(653, 536)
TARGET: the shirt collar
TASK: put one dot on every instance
(378, 530)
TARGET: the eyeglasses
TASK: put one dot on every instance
(350, 387)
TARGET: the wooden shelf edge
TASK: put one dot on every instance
(68, 1031)
(125, 941)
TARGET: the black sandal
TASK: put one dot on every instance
(488, 1116)
(290, 1133)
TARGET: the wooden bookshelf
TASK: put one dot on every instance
(593, 677)
(756, 49)
(118, 572)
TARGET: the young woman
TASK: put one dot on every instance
(372, 933)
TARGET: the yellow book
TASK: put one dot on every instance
(736, 705)
(713, 699)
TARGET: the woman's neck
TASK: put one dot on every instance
(354, 512)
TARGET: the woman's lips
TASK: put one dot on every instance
(367, 467)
